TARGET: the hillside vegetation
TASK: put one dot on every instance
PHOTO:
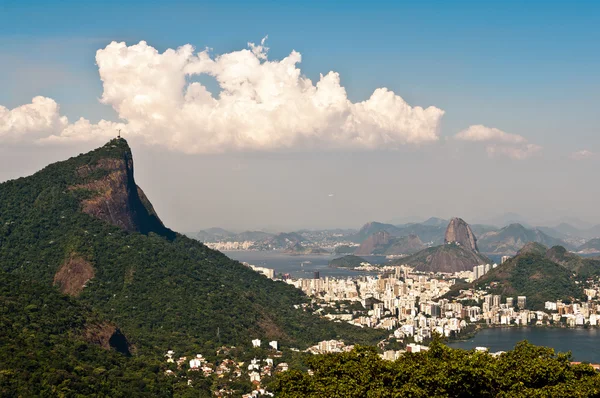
(532, 275)
(526, 371)
(85, 218)
(51, 345)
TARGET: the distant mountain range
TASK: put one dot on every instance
(408, 238)
(510, 239)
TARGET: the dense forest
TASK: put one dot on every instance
(49, 347)
(526, 371)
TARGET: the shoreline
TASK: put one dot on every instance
(479, 327)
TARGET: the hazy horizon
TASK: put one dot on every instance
(472, 111)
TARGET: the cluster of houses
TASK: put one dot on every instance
(256, 369)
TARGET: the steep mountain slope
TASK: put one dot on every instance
(459, 232)
(85, 226)
(458, 253)
(445, 258)
(509, 240)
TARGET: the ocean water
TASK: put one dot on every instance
(584, 344)
(299, 266)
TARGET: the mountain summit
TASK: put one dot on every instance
(460, 232)
(115, 197)
(458, 253)
(86, 228)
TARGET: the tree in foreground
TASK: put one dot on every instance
(526, 371)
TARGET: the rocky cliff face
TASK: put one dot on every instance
(115, 197)
(378, 239)
(459, 232)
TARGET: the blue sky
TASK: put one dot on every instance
(526, 68)
(504, 63)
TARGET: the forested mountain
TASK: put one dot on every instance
(83, 226)
(52, 345)
(532, 275)
(538, 273)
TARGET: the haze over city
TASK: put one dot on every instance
(241, 117)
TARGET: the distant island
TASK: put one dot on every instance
(298, 250)
(349, 261)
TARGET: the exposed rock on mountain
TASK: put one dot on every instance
(445, 258)
(116, 198)
(459, 232)
(73, 274)
(459, 253)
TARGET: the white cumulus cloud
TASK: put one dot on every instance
(262, 105)
(498, 142)
(31, 121)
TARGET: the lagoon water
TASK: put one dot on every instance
(299, 266)
(584, 344)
